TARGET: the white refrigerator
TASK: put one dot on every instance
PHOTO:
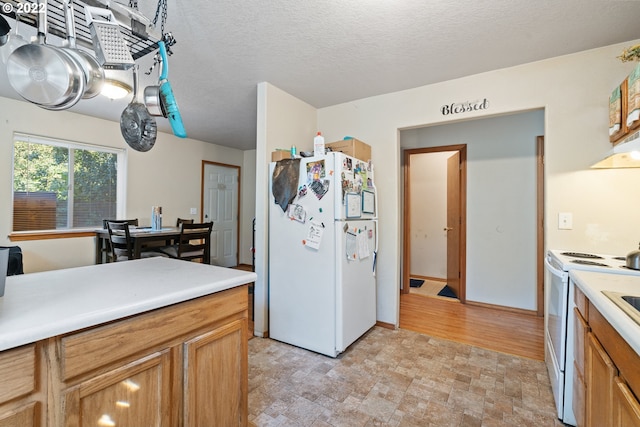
(322, 252)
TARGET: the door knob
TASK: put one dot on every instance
(448, 228)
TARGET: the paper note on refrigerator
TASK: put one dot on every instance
(351, 246)
(363, 246)
(314, 237)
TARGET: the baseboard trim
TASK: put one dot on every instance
(503, 308)
(386, 325)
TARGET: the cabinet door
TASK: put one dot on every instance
(579, 340)
(626, 408)
(579, 397)
(600, 372)
(216, 377)
(579, 386)
(24, 417)
(134, 395)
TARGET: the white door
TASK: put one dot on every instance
(220, 205)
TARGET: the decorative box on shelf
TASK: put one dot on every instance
(624, 107)
(352, 147)
(280, 154)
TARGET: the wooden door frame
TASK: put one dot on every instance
(225, 165)
(406, 250)
(540, 228)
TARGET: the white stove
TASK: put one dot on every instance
(558, 317)
(569, 260)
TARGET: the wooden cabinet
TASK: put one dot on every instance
(600, 372)
(21, 395)
(216, 382)
(606, 378)
(181, 365)
(138, 393)
(26, 416)
(579, 364)
(626, 407)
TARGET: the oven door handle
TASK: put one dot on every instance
(560, 273)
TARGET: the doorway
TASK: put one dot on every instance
(221, 204)
(435, 221)
(501, 231)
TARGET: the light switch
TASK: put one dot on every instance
(565, 221)
(194, 211)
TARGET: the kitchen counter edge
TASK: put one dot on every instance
(38, 306)
(593, 283)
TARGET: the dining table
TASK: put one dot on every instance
(141, 237)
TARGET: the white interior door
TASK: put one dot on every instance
(220, 205)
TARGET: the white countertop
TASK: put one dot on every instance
(592, 284)
(36, 306)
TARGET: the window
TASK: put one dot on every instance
(62, 185)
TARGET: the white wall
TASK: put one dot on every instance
(428, 213)
(168, 175)
(574, 91)
(501, 203)
(282, 121)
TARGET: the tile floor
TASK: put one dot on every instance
(396, 378)
(429, 288)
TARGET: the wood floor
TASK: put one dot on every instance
(504, 331)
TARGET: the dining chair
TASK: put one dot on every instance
(194, 243)
(121, 245)
(180, 221)
(128, 221)
(14, 266)
(183, 220)
(106, 248)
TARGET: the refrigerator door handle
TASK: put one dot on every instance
(375, 221)
(375, 251)
(375, 203)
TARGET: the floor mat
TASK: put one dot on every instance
(415, 283)
(447, 292)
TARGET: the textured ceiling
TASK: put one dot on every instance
(331, 51)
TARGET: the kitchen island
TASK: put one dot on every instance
(154, 341)
(606, 382)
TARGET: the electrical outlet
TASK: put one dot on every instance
(565, 221)
(194, 211)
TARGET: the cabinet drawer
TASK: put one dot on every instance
(17, 372)
(86, 351)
